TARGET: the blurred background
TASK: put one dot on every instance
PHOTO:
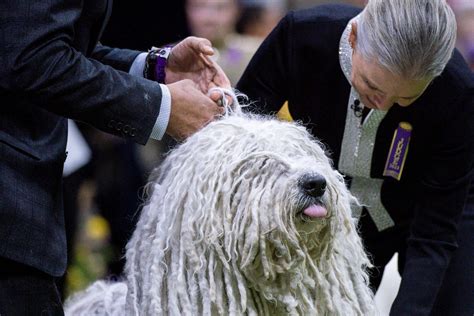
(104, 175)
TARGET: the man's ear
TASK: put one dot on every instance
(353, 35)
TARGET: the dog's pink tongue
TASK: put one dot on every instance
(315, 211)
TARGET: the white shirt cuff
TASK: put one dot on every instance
(163, 118)
(138, 65)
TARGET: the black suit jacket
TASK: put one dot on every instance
(299, 62)
(51, 68)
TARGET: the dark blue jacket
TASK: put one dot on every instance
(299, 63)
(50, 69)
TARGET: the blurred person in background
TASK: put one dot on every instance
(235, 28)
(464, 10)
(304, 4)
(393, 101)
(214, 19)
(259, 17)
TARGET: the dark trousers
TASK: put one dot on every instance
(456, 295)
(27, 291)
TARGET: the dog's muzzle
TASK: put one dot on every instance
(313, 186)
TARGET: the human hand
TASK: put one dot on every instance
(190, 59)
(190, 109)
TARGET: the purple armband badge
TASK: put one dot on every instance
(398, 151)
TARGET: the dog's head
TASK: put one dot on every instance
(254, 200)
(256, 174)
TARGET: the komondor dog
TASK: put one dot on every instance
(245, 217)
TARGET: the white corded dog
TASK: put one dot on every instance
(245, 217)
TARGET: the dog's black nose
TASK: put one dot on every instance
(313, 184)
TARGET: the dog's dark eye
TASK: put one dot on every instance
(313, 184)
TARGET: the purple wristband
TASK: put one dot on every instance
(162, 56)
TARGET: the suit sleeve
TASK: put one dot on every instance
(117, 58)
(266, 79)
(441, 197)
(39, 62)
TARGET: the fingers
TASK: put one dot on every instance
(216, 96)
(190, 109)
(210, 104)
(213, 104)
(191, 59)
(206, 60)
(205, 46)
(220, 78)
(199, 44)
